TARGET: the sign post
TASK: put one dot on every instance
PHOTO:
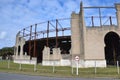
(77, 64)
(118, 67)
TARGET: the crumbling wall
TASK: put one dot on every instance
(55, 58)
(19, 56)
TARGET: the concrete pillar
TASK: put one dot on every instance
(56, 53)
(78, 32)
(17, 44)
(75, 35)
(118, 14)
(22, 43)
(46, 53)
(82, 32)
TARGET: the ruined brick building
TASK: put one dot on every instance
(100, 44)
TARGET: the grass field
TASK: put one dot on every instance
(110, 71)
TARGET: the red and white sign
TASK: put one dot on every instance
(77, 58)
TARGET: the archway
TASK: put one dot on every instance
(112, 48)
(19, 49)
(25, 49)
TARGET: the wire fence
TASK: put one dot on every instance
(110, 70)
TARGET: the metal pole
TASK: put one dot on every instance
(92, 22)
(35, 41)
(110, 20)
(56, 33)
(20, 66)
(47, 33)
(100, 17)
(23, 32)
(62, 32)
(43, 35)
(30, 43)
(77, 67)
(95, 68)
(8, 63)
(72, 66)
(53, 66)
(118, 67)
(35, 67)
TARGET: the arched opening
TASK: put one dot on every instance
(19, 48)
(112, 48)
(25, 49)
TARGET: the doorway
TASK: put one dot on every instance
(112, 48)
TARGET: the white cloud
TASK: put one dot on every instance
(3, 35)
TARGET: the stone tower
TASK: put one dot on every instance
(78, 31)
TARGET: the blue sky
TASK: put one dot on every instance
(17, 14)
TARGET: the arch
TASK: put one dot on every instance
(19, 49)
(25, 49)
(112, 47)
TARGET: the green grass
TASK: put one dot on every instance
(110, 71)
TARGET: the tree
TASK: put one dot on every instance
(6, 51)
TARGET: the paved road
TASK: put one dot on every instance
(9, 76)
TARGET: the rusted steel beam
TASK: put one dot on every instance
(92, 21)
(110, 20)
(43, 35)
(23, 31)
(47, 33)
(35, 41)
(99, 7)
(52, 25)
(100, 17)
(50, 30)
(30, 42)
(62, 32)
(56, 33)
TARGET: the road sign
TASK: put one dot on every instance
(77, 58)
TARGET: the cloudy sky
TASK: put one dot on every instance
(17, 14)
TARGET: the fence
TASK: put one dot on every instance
(111, 70)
